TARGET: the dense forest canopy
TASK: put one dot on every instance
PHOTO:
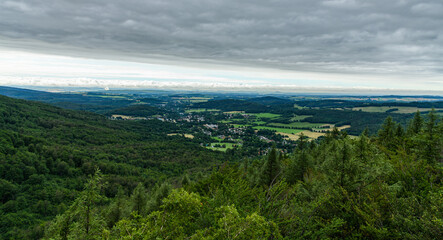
(68, 174)
(47, 152)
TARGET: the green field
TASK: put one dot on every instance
(297, 125)
(217, 139)
(197, 110)
(265, 115)
(225, 121)
(228, 146)
(298, 107)
(282, 130)
(240, 125)
(259, 122)
(234, 112)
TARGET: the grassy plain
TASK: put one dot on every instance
(279, 130)
(190, 136)
(297, 125)
(265, 115)
(197, 110)
(228, 146)
(234, 112)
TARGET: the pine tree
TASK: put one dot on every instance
(297, 167)
(116, 210)
(432, 141)
(185, 180)
(302, 142)
(271, 169)
(386, 135)
(82, 220)
(362, 148)
(416, 124)
(365, 132)
(399, 131)
(138, 199)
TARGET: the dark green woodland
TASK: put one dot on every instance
(68, 174)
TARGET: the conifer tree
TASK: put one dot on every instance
(365, 132)
(271, 169)
(138, 199)
(116, 210)
(159, 193)
(362, 148)
(186, 180)
(386, 135)
(432, 147)
(298, 167)
(302, 142)
(399, 131)
(82, 220)
(416, 124)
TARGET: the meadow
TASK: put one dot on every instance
(279, 130)
(298, 125)
(222, 149)
(265, 115)
(198, 110)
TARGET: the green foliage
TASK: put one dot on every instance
(46, 154)
(416, 123)
(140, 110)
(82, 220)
(382, 187)
(271, 169)
(181, 216)
(138, 199)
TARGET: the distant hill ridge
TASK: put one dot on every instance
(139, 110)
(233, 105)
(269, 100)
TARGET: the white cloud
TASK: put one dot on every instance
(338, 42)
(25, 69)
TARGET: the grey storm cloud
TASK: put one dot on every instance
(344, 36)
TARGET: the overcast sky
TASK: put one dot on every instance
(371, 45)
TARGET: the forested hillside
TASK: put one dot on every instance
(47, 154)
(383, 187)
(77, 175)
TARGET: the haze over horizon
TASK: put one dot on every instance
(327, 46)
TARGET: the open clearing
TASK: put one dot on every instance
(190, 136)
(265, 115)
(197, 110)
(309, 134)
(343, 127)
(298, 125)
(240, 125)
(279, 130)
(228, 146)
(298, 107)
(234, 112)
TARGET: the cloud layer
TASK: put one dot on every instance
(377, 37)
